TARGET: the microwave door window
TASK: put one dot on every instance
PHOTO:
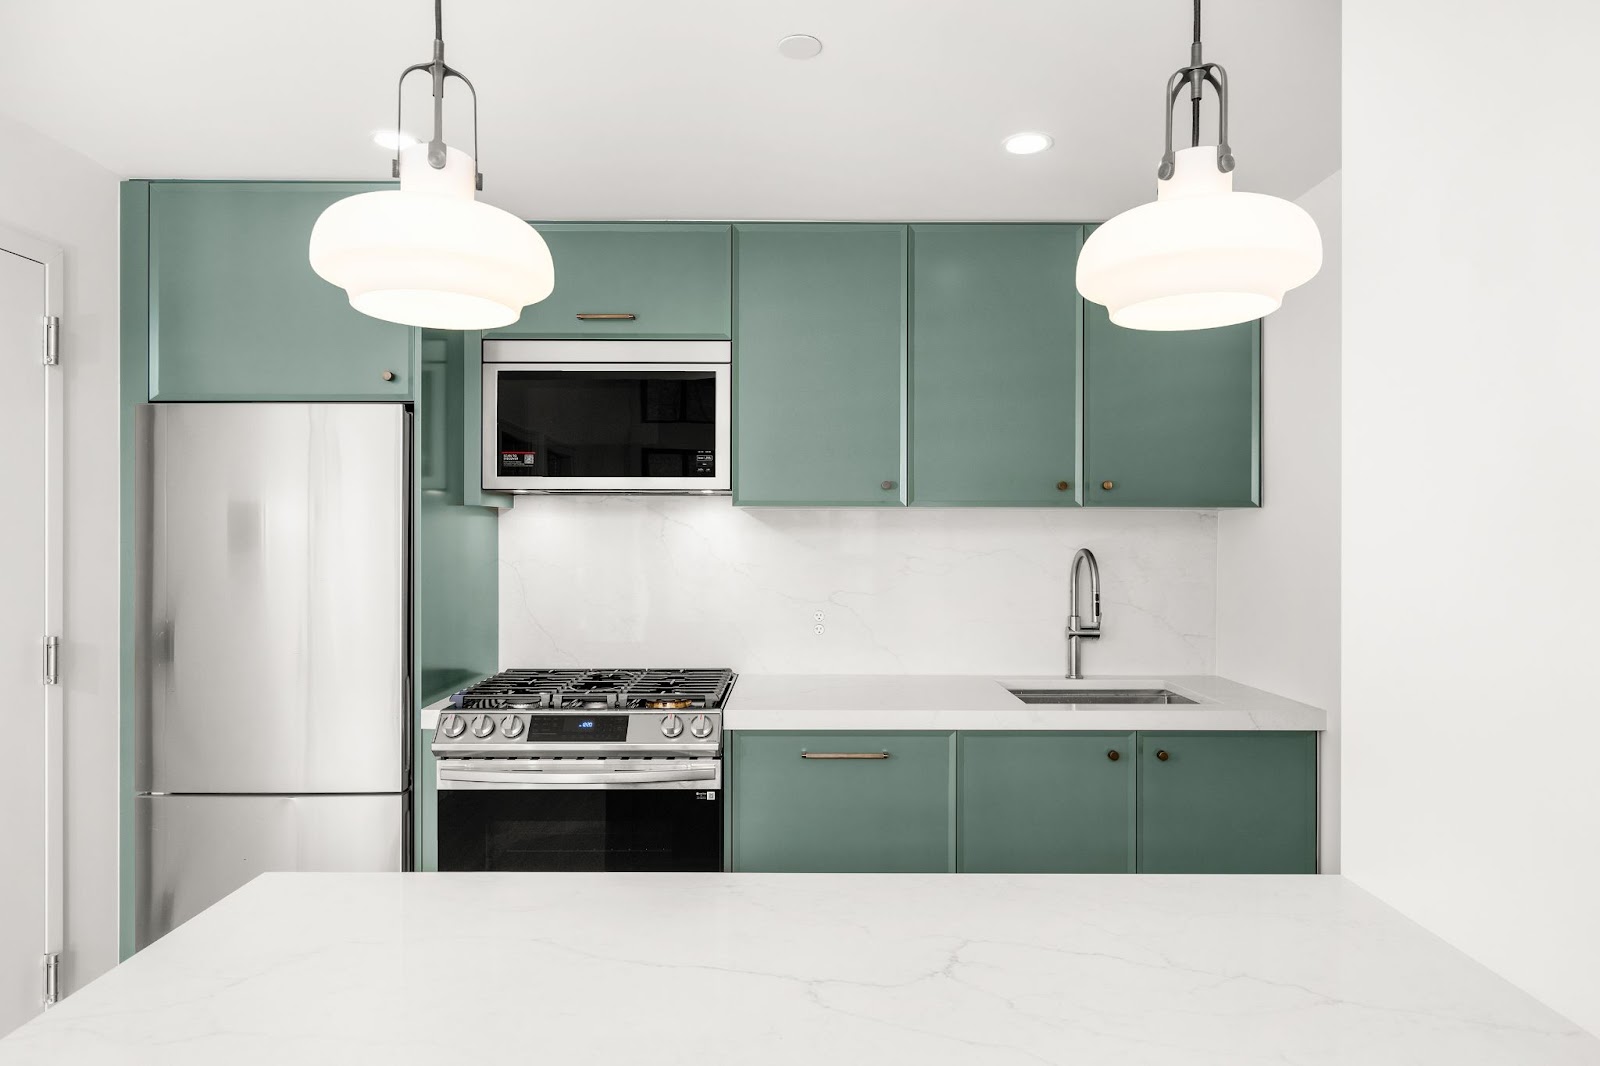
(607, 423)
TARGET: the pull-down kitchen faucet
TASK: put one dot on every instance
(1076, 630)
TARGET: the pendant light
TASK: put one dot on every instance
(429, 254)
(1201, 255)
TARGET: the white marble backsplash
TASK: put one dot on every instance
(695, 581)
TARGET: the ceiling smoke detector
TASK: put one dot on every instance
(800, 46)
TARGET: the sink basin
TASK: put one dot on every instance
(1097, 695)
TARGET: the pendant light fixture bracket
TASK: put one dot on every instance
(1196, 75)
(438, 70)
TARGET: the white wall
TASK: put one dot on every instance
(1278, 567)
(626, 581)
(1471, 469)
(62, 198)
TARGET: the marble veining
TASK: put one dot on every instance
(695, 581)
(708, 969)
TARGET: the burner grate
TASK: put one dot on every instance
(611, 688)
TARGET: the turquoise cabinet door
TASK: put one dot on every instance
(794, 810)
(1228, 803)
(1045, 803)
(994, 364)
(1171, 419)
(673, 278)
(425, 793)
(818, 363)
(236, 312)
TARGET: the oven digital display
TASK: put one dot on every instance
(575, 727)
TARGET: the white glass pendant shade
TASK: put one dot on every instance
(1201, 255)
(429, 254)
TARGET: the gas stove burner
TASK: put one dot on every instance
(610, 689)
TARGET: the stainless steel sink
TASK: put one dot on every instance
(1083, 696)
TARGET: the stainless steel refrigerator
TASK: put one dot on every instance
(272, 686)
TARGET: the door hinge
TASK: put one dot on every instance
(52, 660)
(52, 340)
(52, 979)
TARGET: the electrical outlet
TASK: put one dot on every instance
(818, 629)
(817, 616)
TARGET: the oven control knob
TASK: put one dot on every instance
(700, 727)
(452, 725)
(511, 726)
(482, 725)
(671, 725)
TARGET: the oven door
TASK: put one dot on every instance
(607, 426)
(577, 818)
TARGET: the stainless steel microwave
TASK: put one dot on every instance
(607, 416)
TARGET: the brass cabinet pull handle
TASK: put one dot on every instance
(1163, 756)
(886, 486)
(844, 755)
(605, 316)
(1108, 485)
(1063, 486)
(388, 375)
(1113, 755)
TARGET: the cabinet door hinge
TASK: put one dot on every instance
(52, 979)
(52, 660)
(52, 340)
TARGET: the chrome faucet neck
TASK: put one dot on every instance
(1076, 630)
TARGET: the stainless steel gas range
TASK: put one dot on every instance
(583, 770)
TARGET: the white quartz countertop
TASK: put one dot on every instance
(957, 701)
(714, 969)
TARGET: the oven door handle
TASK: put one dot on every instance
(524, 777)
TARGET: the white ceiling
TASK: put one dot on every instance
(684, 108)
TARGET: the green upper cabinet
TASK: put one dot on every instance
(1171, 419)
(819, 363)
(1241, 803)
(672, 278)
(1045, 803)
(236, 312)
(842, 802)
(994, 364)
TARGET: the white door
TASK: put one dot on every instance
(29, 708)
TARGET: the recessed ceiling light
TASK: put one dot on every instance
(1027, 143)
(392, 140)
(800, 46)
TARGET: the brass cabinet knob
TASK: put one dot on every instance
(1163, 756)
(1113, 755)
(388, 375)
(1108, 485)
(1063, 486)
(887, 485)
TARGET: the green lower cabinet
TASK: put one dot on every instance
(797, 807)
(1171, 419)
(1237, 803)
(818, 364)
(658, 280)
(994, 365)
(425, 793)
(1045, 803)
(236, 312)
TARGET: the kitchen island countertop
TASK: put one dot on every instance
(711, 969)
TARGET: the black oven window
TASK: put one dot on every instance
(661, 830)
(607, 423)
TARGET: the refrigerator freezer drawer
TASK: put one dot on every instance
(271, 605)
(193, 850)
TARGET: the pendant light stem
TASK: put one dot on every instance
(1196, 80)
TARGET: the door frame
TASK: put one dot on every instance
(51, 258)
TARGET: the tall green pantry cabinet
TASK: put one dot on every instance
(219, 304)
